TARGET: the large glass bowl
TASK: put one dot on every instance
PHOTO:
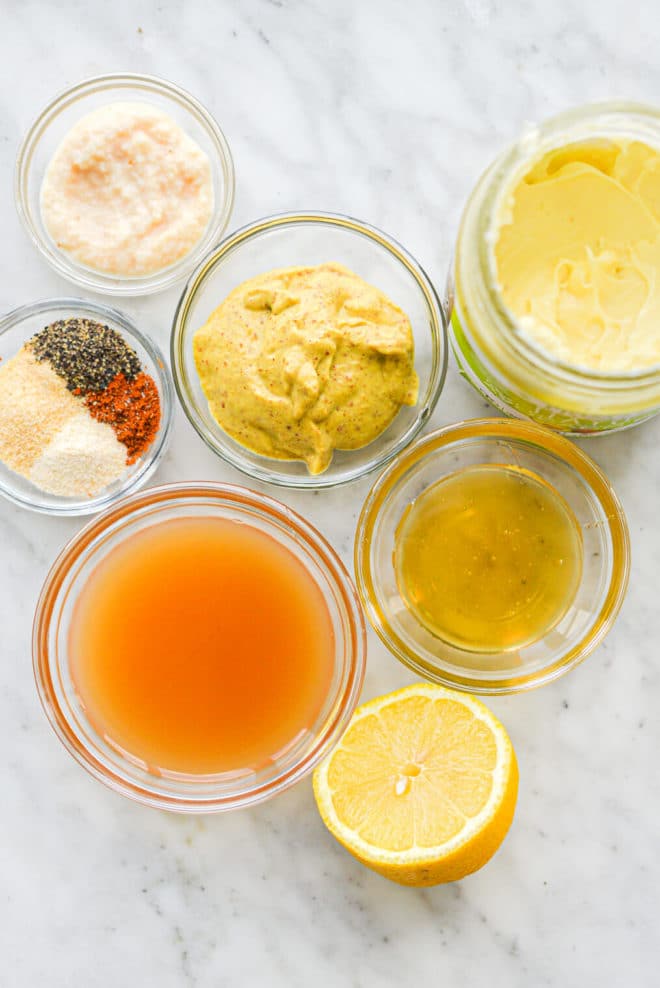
(178, 791)
(306, 239)
(605, 566)
(16, 328)
(55, 121)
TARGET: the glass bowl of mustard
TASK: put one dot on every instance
(55, 123)
(552, 296)
(121, 732)
(306, 241)
(492, 556)
(80, 426)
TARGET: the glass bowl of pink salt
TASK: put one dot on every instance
(85, 406)
(123, 183)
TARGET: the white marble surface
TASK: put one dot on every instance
(388, 111)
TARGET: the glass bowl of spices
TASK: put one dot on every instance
(85, 406)
(218, 687)
(123, 183)
(308, 349)
(492, 556)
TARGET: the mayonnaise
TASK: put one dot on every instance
(577, 254)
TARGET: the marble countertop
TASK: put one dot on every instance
(387, 111)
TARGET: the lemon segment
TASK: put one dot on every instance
(422, 787)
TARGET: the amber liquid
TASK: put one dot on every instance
(201, 645)
(489, 558)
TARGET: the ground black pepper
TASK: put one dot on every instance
(85, 353)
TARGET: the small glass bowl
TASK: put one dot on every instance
(289, 240)
(178, 791)
(15, 329)
(606, 554)
(57, 119)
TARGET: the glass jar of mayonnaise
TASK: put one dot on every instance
(554, 292)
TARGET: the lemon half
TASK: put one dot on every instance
(422, 787)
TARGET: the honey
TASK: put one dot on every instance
(489, 558)
(201, 645)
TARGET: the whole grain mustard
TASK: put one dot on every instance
(298, 362)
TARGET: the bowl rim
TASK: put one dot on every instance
(549, 441)
(120, 285)
(154, 454)
(136, 505)
(269, 473)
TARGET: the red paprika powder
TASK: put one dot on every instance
(132, 408)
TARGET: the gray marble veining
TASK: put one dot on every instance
(387, 111)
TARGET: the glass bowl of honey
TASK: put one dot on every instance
(198, 647)
(492, 556)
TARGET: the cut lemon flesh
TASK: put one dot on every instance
(422, 787)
